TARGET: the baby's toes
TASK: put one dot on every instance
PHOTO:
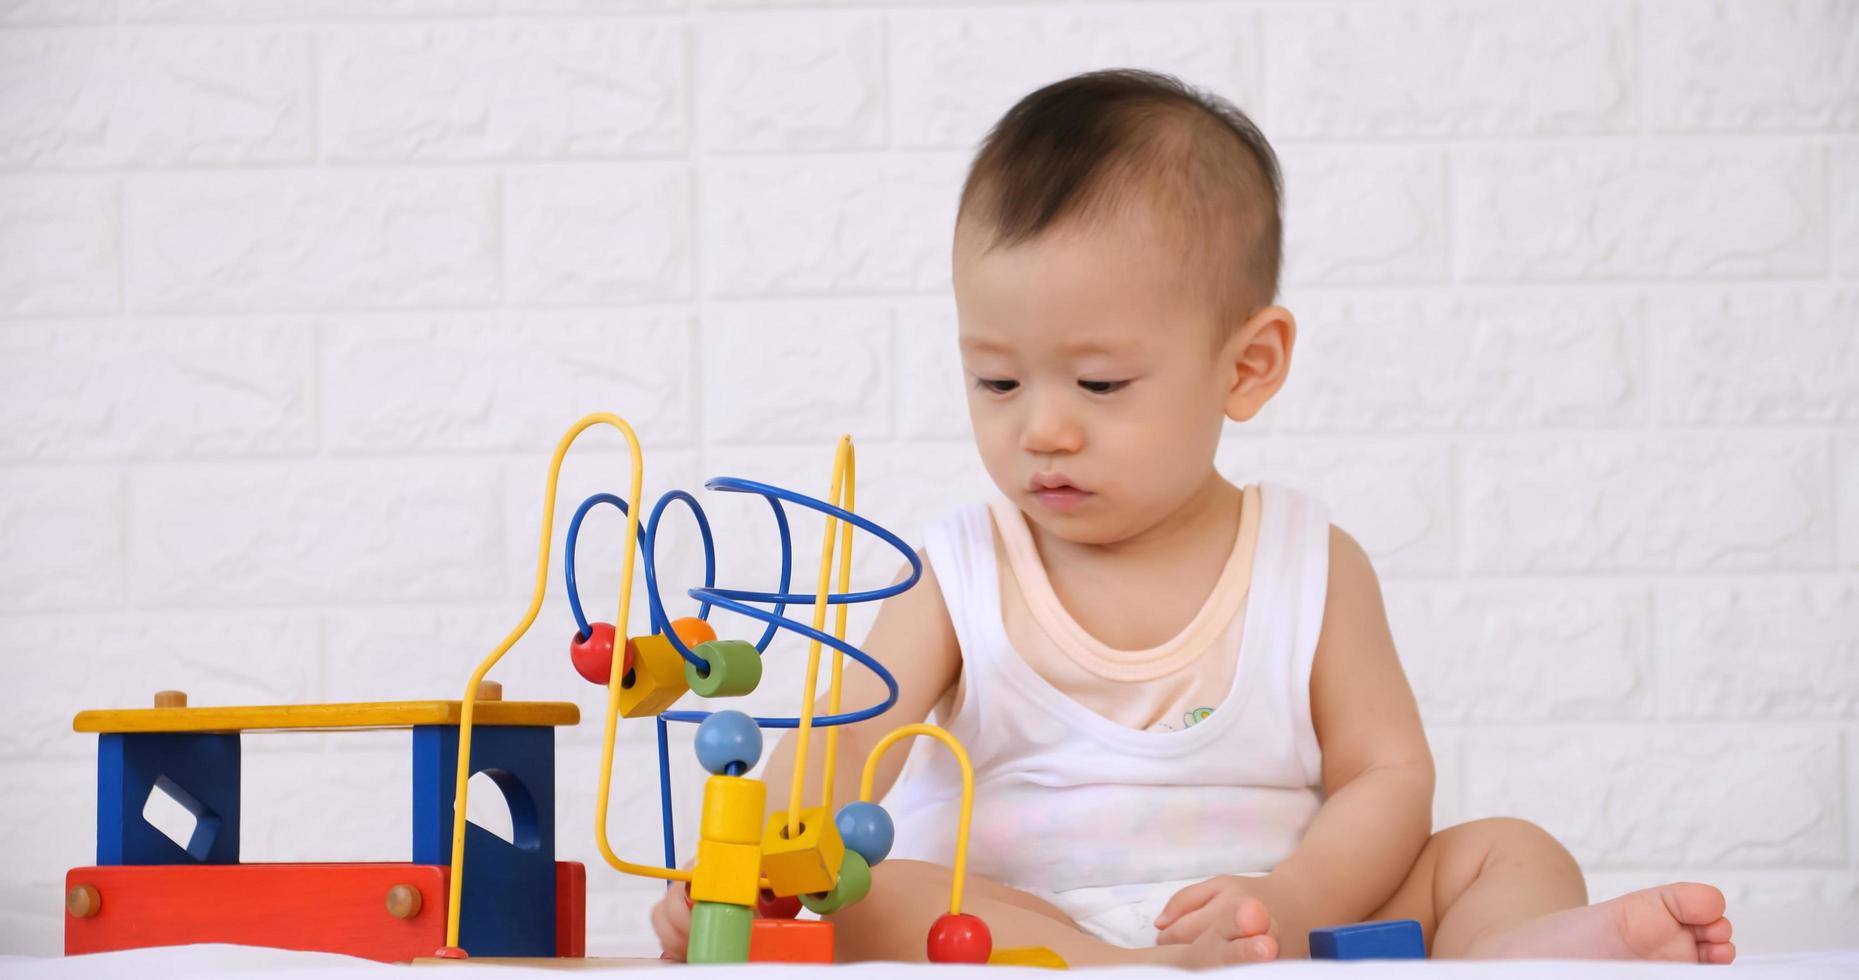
(1715, 932)
(1693, 903)
(1718, 953)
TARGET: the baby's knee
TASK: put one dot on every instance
(1510, 838)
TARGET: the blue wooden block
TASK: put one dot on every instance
(508, 905)
(199, 770)
(1395, 939)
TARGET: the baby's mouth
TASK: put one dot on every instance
(1056, 492)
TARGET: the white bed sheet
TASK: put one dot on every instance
(227, 962)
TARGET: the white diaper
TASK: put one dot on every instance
(1122, 915)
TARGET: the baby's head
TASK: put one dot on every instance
(1116, 259)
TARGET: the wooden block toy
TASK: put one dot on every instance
(1038, 956)
(1393, 939)
(727, 873)
(735, 669)
(809, 861)
(570, 909)
(732, 810)
(719, 933)
(333, 908)
(790, 941)
(656, 681)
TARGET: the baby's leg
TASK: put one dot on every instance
(1504, 888)
(892, 923)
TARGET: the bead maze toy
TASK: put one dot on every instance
(753, 870)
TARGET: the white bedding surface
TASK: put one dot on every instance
(246, 962)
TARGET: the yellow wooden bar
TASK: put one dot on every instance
(288, 717)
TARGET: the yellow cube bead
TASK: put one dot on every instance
(809, 862)
(727, 873)
(733, 808)
(656, 680)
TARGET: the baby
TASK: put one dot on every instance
(1192, 738)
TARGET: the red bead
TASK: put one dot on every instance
(772, 906)
(451, 953)
(593, 656)
(960, 939)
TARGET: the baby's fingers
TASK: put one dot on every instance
(1187, 900)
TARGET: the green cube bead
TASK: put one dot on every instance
(719, 933)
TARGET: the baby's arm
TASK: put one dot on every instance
(1377, 779)
(1377, 770)
(913, 638)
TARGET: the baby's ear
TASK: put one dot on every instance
(1259, 356)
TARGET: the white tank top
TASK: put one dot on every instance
(1066, 798)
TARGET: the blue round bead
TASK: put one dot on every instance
(867, 829)
(727, 739)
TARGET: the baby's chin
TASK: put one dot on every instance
(1094, 521)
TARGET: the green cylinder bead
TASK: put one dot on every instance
(853, 885)
(735, 669)
(719, 933)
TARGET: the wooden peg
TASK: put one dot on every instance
(82, 901)
(170, 699)
(490, 691)
(403, 901)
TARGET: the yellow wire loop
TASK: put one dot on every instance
(844, 473)
(968, 795)
(466, 713)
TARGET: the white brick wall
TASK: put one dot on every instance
(296, 296)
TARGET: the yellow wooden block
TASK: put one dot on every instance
(727, 873)
(1028, 956)
(286, 717)
(733, 808)
(656, 681)
(807, 863)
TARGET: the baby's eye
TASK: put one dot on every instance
(1101, 387)
(999, 386)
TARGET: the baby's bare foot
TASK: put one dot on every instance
(1248, 936)
(1681, 922)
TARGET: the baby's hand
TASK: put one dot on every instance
(1198, 907)
(671, 919)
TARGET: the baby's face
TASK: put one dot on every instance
(1095, 386)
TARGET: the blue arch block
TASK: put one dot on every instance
(508, 905)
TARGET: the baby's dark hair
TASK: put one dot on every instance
(1091, 145)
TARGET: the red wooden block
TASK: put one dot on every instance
(570, 908)
(790, 941)
(334, 908)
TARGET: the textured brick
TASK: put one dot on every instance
(312, 240)
(50, 814)
(1461, 360)
(1759, 649)
(503, 90)
(610, 235)
(1449, 70)
(63, 247)
(1663, 503)
(109, 659)
(1556, 213)
(155, 388)
(260, 10)
(797, 372)
(1396, 499)
(810, 81)
(1637, 796)
(1758, 356)
(843, 223)
(513, 381)
(287, 534)
(1756, 898)
(84, 98)
(61, 539)
(932, 397)
(1751, 65)
(957, 71)
(1845, 211)
(45, 13)
(1364, 216)
(1504, 652)
(1846, 492)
